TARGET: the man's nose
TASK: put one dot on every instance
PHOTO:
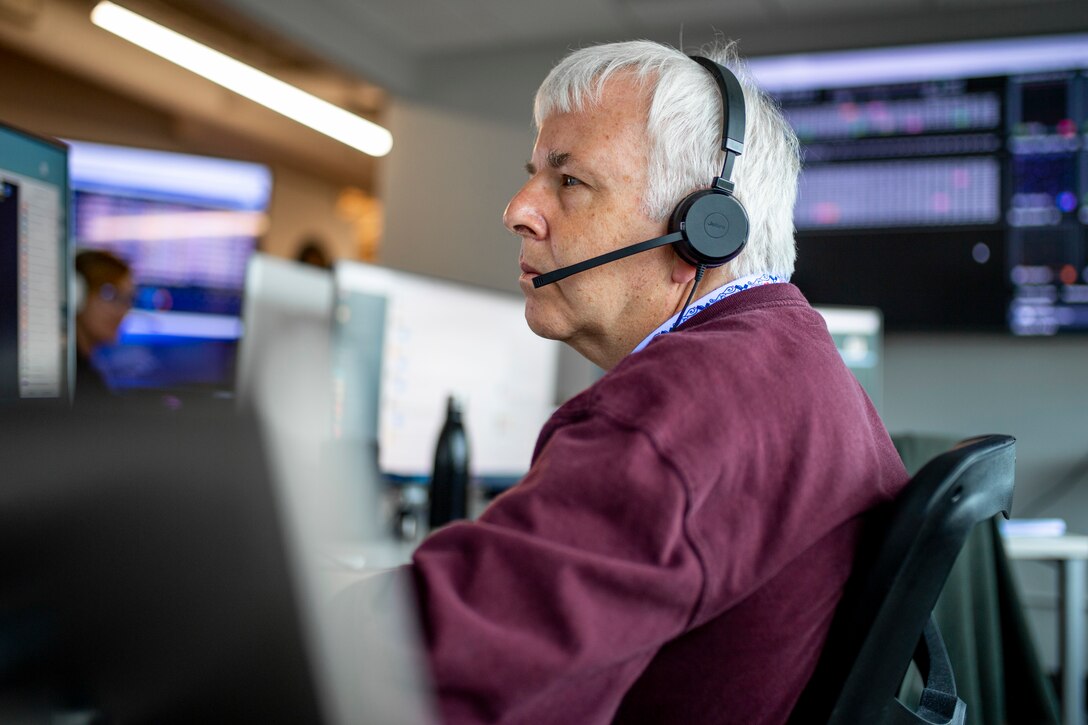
(524, 214)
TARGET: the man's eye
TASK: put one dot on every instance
(570, 180)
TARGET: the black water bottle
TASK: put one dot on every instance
(449, 484)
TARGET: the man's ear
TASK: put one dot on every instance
(682, 272)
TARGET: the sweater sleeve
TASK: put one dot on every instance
(552, 604)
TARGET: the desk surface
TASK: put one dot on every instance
(1046, 547)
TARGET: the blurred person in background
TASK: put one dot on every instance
(312, 252)
(106, 294)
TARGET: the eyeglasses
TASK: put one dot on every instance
(111, 294)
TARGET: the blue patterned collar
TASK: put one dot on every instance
(726, 290)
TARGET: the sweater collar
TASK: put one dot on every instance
(717, 295)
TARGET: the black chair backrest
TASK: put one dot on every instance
(907, 552)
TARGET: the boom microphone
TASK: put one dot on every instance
(615, 255)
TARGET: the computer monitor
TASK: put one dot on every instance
(404, 343)
(943, 183)
(284, 378)
(187, 225)
(286, 318)
(35, 358)
(158, 572)
(858, 335)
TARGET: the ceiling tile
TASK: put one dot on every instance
(658, 14)
(428, 27)
(831, 8)
(989, 3)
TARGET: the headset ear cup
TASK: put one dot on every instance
(714, 225)
(79, 292)
(737, 238)
(677, 223)
(676, 220)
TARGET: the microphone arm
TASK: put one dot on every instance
(564, 272)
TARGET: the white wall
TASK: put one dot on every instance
(303, 206)
(458, 157)
(1035, 389)
(1032, 388)
(445, 185)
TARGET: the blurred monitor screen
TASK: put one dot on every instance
(284, 376)
(858, 335)
(945, 184)
(404, 343)
(34, 355)
(287, 316)
(187, 226)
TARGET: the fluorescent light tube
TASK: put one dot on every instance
(296, 104)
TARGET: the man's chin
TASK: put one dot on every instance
(543, 326)
(543, 331)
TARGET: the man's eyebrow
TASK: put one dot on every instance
(556, 160)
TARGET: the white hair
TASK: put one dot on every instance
(684, 126)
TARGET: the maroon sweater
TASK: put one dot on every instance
(678, 547)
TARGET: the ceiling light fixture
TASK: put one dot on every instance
(283, 98)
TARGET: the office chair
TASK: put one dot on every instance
(884, 619)
(982, 620)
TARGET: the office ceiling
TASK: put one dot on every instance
(391, 42)
(54, 43)
(355, 53)
(428, 27)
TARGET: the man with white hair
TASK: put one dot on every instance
(679, 545)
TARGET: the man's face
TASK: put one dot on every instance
(586, 180)
(104, 310)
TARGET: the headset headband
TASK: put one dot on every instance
(732, 117)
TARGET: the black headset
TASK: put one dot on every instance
(709, 227)
(712, 221)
